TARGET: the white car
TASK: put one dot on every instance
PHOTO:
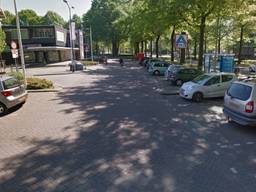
(207, 86)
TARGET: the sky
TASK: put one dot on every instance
(42, 6)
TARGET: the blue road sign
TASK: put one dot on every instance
(181, 41)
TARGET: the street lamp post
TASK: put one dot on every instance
(71, 36)
(20, 43)
(91, 43)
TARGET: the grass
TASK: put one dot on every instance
(89, 62)
(38, 83)
(32, 82)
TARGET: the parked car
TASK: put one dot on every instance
(207, 86)
(239, 103)
(12, 93)
(149, 62)
(182, 75)
(171, 69)
(158, 67)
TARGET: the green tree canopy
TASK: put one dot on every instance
(53, 18)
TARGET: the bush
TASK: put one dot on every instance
(89, 62)
(37, 83)
(17, 75)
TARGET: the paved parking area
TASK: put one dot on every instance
(109, 129)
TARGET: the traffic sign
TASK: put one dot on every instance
(181, 41)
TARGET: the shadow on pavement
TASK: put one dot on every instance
(130, 138)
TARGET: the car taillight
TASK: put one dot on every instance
(249, 107)
(6, 93)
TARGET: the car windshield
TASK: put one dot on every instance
(200, 79)
(10, 83)
(240, 91)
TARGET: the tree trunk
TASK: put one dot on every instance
(151, 48)
(205, 43)
(172, 43)
(241, 45)
(195, 49)
(201, 42)
(142, 46)
(137, 48)
(219, 45)
(157, 46)
(115, 48)
(146, 44)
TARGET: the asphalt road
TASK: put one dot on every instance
(110, 130)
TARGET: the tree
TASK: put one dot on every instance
(9, 18)
(77, 20)
(53, 18)
(2, 43)
(29, 17)
(101, 18)
(196, 13)
(244, 19)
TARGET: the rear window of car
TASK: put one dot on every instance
(240, 91)
(10, 83)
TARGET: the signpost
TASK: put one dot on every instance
(181, 42)
(15, 53)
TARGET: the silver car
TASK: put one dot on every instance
(239, 103)
(207, 86)
(12, 93)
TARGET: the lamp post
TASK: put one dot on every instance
(91, 43)
(71, 35)
(20, 43)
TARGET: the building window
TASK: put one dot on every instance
(43, 33)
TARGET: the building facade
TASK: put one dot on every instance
(42, 44)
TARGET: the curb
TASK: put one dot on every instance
(169, 93)
(44, 90)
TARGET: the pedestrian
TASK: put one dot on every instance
(105, 60)
(121, 61)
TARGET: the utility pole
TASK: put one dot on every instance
(20, 43)
(70, 36)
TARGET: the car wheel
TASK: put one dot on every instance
(197, 97)
(2, 109)
(156, 72)
(229, 120)
(179, 82)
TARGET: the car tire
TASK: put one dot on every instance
(197, 97)
(3, 109)
(179, 82)
(156, 72)
(229, 120)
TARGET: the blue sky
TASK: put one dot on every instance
(42, 6)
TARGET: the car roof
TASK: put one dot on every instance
(249, 81)
(219, 73)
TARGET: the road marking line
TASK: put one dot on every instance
(216, 152)
(237, 144)
(224, 146)
(250, 143)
